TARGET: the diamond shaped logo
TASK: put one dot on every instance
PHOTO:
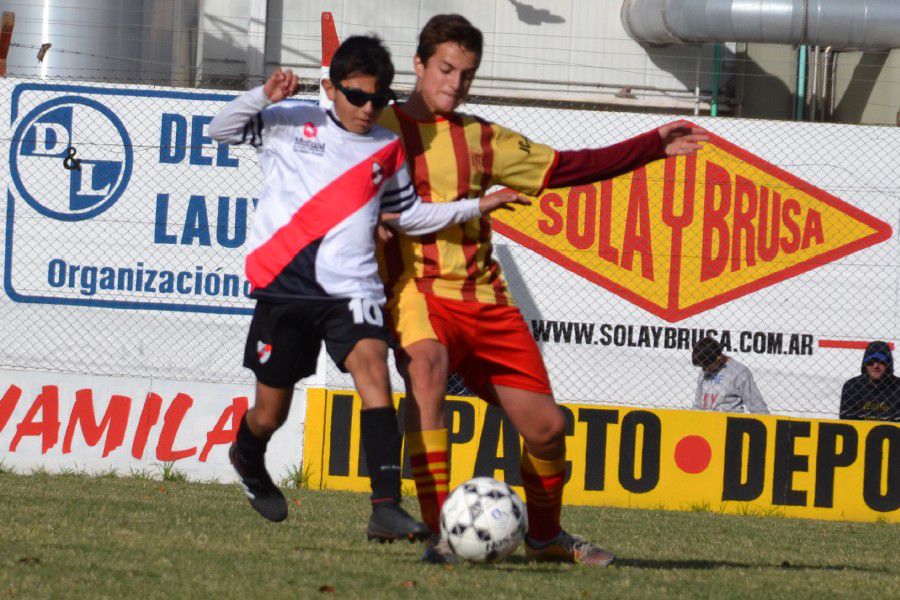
(683, 235)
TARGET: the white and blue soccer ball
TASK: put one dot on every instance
(483, 520)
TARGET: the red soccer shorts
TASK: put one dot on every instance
(487, 343)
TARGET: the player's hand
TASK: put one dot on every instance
(384, 232)
(679, 139)
(502, 199)
(281, 85)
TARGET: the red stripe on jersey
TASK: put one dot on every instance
(490, 265)
(461, 154)
(318, 215)
(415, 150)
(470, 251)
(497, 284)
(487, 159)
(487, 154)
(463, 174)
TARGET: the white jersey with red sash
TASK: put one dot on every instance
(312, 237)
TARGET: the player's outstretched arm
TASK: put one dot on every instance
(230, 125)
(419, 218)
(577, 167)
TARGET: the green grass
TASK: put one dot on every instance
(297, 477)
(76, 536)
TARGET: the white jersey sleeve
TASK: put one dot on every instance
(420, 218)
(241, 120)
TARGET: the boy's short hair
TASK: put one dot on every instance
(364, 55)
(706, 352)
(449, 28)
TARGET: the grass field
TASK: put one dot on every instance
(75, 536)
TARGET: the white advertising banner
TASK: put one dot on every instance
(108, 183)
(125, 426)
(125, 225)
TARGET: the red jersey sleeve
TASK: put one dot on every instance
(577, 167)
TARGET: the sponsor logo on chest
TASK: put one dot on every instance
(308, 142)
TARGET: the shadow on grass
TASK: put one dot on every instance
(519, 564)
(522, 564)
(641, 563)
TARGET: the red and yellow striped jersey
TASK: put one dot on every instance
(450, 159)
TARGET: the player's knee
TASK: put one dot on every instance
(428, 370)
(556, 426)
(367, 352)
(372, 372)
(367, 360)
(550, 432)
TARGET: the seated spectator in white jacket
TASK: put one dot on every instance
(724, 384)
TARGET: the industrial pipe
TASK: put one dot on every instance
(842, 24)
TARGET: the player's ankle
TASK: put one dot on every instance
(384, 500)
(251, 448)
(541, 543)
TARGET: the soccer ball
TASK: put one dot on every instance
(483, 520)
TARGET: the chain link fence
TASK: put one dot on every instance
(778, 239)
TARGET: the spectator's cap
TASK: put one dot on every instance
(706, 352)
(880, 351)
(876, 356)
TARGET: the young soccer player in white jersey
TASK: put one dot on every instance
(329, 177)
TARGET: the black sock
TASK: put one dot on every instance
(250, 447)
(382, 441)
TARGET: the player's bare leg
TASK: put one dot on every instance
(270, 410)
(381, 438)
(539, 420)
(367, 363)
(247, 454)
(424, 367)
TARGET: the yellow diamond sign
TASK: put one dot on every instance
(683, 235)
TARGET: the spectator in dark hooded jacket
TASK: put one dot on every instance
(874, 395)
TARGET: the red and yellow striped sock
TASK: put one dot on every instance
(431, 470)
(543, 481)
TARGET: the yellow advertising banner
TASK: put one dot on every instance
(655, 459)
(683, 235)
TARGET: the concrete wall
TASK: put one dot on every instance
(767, 77)
(868, 88)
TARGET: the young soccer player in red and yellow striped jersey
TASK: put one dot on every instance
(449, 304)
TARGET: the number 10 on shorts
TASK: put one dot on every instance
(366, 311)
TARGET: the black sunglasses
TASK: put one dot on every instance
(359, 98)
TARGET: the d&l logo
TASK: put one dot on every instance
(43, 141)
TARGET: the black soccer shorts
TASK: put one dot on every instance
(284, 339)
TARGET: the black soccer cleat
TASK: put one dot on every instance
(390, 522)
(263, 494)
